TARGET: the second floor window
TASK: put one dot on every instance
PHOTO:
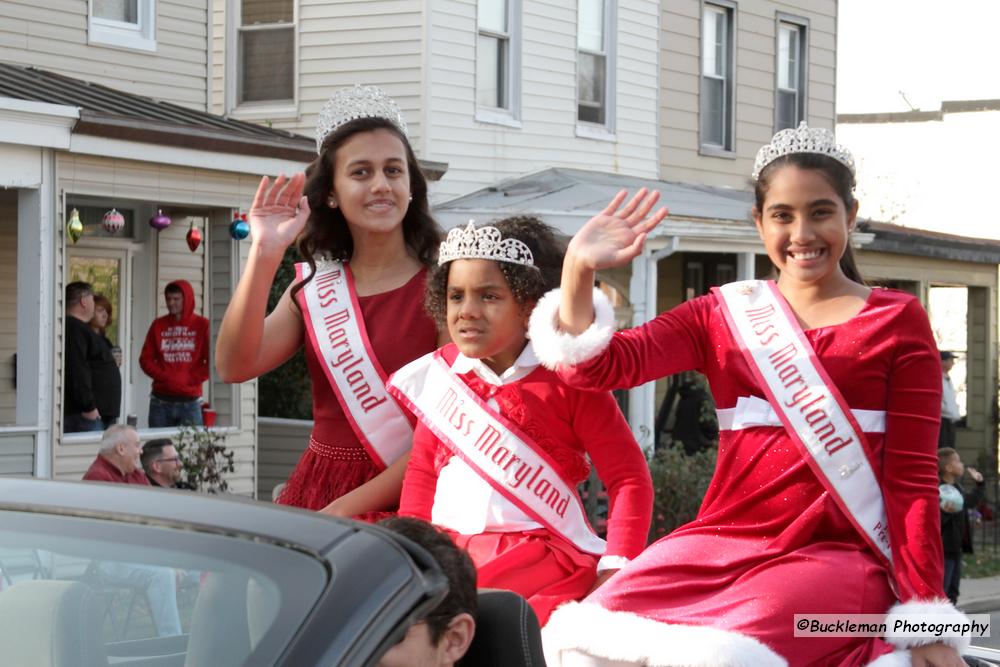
(127, 24)
(717, 77)
(266, 45)
(124, 11)
(592, 47)
(791, 72)
(493, 54)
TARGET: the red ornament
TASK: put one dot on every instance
(193, 238)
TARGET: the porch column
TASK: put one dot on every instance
(746, 263)
(642, 294)
(36, 299)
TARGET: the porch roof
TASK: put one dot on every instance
(566, 198)
(114, 114)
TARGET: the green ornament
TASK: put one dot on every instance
(74, 227)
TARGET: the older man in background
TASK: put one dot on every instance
(118, 462)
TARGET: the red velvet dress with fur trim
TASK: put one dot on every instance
(335, 461)
(769, 542)
(569, 425)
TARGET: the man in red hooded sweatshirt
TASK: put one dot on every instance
(175, 355)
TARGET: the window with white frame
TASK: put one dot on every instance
(594, 76)
(265, 52)
(790, 104)
(717, 76)
(495, 54)
(127, 24)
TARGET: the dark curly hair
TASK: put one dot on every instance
(837, 175)
(527, 283)
(326, 230)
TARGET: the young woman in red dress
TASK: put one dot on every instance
(502, 443)
(361, 217)
(776, 534)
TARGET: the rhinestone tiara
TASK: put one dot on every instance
(349, 104)
(483, 243)
(802, 139)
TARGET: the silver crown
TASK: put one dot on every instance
(483, 243)
(350, 104)
(802, 139)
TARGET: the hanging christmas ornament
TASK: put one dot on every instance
(113, 221)
(74, 227)
(193, 238)
(239, 228)
(159, 222)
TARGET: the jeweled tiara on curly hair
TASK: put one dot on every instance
(803, 139)
(483, 243)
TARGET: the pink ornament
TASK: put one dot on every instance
(113, 221)
(159, 222)
(193, 238)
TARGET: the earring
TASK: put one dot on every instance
(331, 202)
(410, 198)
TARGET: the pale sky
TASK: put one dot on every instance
(930, 50)
(931, 175)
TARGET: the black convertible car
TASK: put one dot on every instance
(256, 584)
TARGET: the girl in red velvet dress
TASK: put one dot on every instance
(771, 540)
(521, 534)
(364, 228)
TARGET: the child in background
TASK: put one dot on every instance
(502, 443)
(955, 506)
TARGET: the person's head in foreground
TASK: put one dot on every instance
(487, 282)
(804, 206)
(441, 638)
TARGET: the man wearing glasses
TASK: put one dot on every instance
(163, 465)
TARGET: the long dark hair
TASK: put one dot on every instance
(837, 175)
(326, 230)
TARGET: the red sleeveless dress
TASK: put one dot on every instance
(335, 461)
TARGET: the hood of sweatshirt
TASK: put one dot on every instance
(188, 293)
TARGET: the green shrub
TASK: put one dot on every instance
(680, 481)
(204, 457)
(286, 391)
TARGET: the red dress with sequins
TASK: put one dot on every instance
(335, 461)
(769, 542)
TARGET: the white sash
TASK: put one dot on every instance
(751, 412)
(811, 408)
(336, 328)
(506, 458)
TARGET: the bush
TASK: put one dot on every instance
(204, 457)
(286, 391)
(680, 481)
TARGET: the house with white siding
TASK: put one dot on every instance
(517, 95)
(104, 105)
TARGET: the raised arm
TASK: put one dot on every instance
(250, 344)
(611, 238)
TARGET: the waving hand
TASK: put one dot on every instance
(616, 235)
(279, 212)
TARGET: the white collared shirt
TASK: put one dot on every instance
(464, 501)
(949, 404)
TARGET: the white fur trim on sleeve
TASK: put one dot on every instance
(943, 610)
(617, 635)
(555, 348)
